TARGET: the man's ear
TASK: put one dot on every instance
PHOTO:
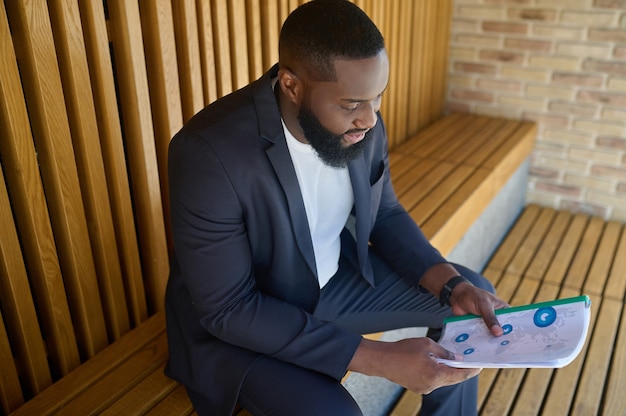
(290, 85)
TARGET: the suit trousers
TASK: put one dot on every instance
(273, 387)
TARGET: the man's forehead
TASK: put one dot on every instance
(361, 78)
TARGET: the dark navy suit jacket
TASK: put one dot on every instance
(243, 281)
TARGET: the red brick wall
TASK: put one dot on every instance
(561, 63)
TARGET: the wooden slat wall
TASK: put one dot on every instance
(90, 94)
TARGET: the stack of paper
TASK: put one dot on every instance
(548, 334)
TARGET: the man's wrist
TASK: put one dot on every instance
(448, 287)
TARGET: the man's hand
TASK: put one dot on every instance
(410, 363)
(466, 299)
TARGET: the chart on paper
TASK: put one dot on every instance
(547, 334)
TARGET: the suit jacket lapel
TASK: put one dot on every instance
(359, 175)
(270, 128)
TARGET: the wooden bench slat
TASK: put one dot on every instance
(207, 53)
(440, 193)
(536, 380)
(614, 397)
(420, 145)
(254, 44)
(409, 404)
(478, 134)
(117, 382)
(600, 268)
(473, 152)
(510, 157)
(581, 262)
(467, 126)
(500, 132)
(59, 173)
(558, 268)
(505, 288)
(526, 252)
(238, 36)
(90, 372)
(598, 358)
(565, 380)
(31, 215)
(144, 395)
(221, 43)
(110, 138)
(163, 79)
(518, 145)
(616, 283)
(510, 379)
(187, 39)
(459, 211)
(19, 308)
(174, 404)
(429, 174)
(408, 171)
(71, 54)
(11, 396)
(128, 50)
(514, 238)
(550, 244)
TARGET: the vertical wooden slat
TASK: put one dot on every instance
(602, 260)
(11, 396)
(616, 284)
(283, 11)
(238, 34)
(417, 67)
(19, 310)
(270, 29)
(441, 17)
(110, 134)
(584, 255)
(71, 54)
(162, 69)
(255, 39)
(402, 61)
(32, 31)
(134, 96)
(31, 212)
(614, 399)
(188, 53)
(207, 51)
(221, 43)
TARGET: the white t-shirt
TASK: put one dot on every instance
(328, 200)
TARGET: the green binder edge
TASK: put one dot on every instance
(581, 298)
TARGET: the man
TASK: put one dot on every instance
(289, 241)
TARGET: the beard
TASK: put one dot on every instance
(328, 146)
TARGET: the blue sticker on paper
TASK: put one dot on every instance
(462, 337)
(545, 317)
(507, 328)
(468, 351)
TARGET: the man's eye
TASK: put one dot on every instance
(350, 108)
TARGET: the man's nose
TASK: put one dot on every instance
(367, 117)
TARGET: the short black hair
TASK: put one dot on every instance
(320, 31)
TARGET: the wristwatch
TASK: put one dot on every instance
(446, 290)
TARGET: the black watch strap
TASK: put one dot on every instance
(446, 290)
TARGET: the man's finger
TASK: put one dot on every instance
(492, 323)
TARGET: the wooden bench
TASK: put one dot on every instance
(88, 104)
(129, 374)
(548, 255)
